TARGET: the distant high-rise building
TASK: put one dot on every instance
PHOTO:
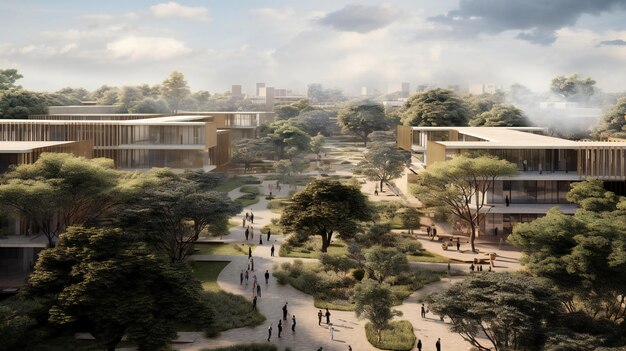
(259, 86)
(484, 88)
(404, 88)
(235, 91)
(269, 94)
(366, 91)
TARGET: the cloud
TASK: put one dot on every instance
(137, 48)
(615, 42)
(536, 21)
(361, 19)
(275, 14)
(98, 18)
(175, 10)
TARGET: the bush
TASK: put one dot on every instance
(399, 336)
(250, 180)
(231, 311)
(250, 189)
(358, 274)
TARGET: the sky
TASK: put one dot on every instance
(289, 44)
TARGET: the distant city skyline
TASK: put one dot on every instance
(291, 44)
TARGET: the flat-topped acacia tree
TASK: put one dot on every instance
(324, 208)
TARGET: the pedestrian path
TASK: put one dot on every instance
(308, 335)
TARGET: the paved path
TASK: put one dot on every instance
(308, 336)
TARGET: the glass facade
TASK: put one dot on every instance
(532, 192)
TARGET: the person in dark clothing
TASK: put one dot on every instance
(252, 264)
(458, 245)
(428, 230)
(254, 303)
(434, 231)
(319, 317)
(280, 327)
(241, 278)
(247, 233)
(260, 240)
(423, 311)
(272, 251)
(258, 290)
(269, 232)
(285, 311)
(269, 333)
(249, 252)
(438, 344)
(251, 217)
(293, 324)
(327, 314)
(507, 201)
(267, 276)
(419, 344)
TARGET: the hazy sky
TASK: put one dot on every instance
(292, 43)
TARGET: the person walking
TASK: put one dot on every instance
(458, 244)
(438, 344)
(327, 314)
(319, 317)
(252, 264)
(472, 267)
(251, 217)
(293, 323)
(423, 311)
(280, 327)
(243, 224)
(434, 232)
(272, 251)
(247, 216)
(247, 276)
(254, 303)
(507, 201)
(249, 251)
(241, 278)
(269, 232)
(260, 240)
(251, 232)
(254, 282)
(267, 276)
(285, 311)
(258, 290)
(448, 268)
(428, 230)
(376, 192)
(269, 333)
(349, 348)
(332, 332)
(419, 344)
(247, 232)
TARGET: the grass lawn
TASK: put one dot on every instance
(431, 257)
(207, 273)
(69, 343)
(221, 249)
(311, 248)
(277, 205)
(399, 337)
(246, 347)
(230, 184)
(248, 199)
(250, 189)
(276, 229)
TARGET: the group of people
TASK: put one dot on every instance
(418, 344)
(478, 268)
(280, 323)
(431, 231)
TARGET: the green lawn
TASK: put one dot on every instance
(431, 257)
(250, 189)
(277, 205)
(248, 199)
(207, 273)
(221, 249)
(399, 337)
(230, 184)
(311, 249)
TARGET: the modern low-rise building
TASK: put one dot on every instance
(547, 166)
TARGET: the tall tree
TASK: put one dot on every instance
(382, 162)
(174, 89)
(501, 116)
(149, 105)
(362, 118)
(289, 140)
(112, 285)
(317, 144)
(459, 187)
(60, 190)
(315, 122)
(8, 77)
(247, 151)
(512, 310)
(435, 108)
(18, 103)
(286, 112)
(324, 208)
(129, 97)
(573, 87)
(383, 262)
(478, 104)
(613, 122)
(373, 301)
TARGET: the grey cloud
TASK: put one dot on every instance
(615, 42)
(361, 19)
(537, 20)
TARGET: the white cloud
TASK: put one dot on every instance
(137, 48)
(175, 10)
(275, 14)
(98, 18)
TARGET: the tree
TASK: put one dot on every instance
(382, 162)
(18, 103)
(60, 190)
(99, 93)
(324, 208)
(109, 97)
(317, 144)
(512, 310)
(373, 301)
(591, 195)
(384, 262)
(435, 108)
(613, 122)
(573, 87)
(73, 96)
(337, 263)
(362, 118)
(247, 151)
(174, 89)
(171, 212)
(410, 219)
(286, 167)
(584, 254)
(149, 105)
(289, 140)
(460, 186)
(478, 104)
(501, 116)
(315, 122)
(286, 112)
(8, 77)
(129, 97)
(112, 285)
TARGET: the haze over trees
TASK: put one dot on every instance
(613, 122)
(435, 108)
(458, 187)
(362, 119)
(573, 87)
(501, 116)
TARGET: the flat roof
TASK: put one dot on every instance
(183, 120)
(19, 147)
(513, 138)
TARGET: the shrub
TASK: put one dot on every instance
(358, 274)
(399, 336)
(250, 189)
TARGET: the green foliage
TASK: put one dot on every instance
(501, 115)
(288, 140)
(613, 122)
(91, 279)
(410, 218)
(459, 187)
(149, 105)
(382, 162)
(435, 108)
(514, 311)
(286, 112)
(398, 336)
(373, 301)
(174, 89)
(325, 207)
(250, 189)
(362, 118)
(383, 263)
(573, 87)
(478, 104)
(18, 103)
(247, 151)
(337, 263)
(20, 320)
(8, 77)
(315, 122)
(317, 143)
(591, 195)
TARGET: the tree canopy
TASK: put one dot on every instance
(18, 103)
(383, 262)
(478, 104)
(315, 122)
(382, 162)
(459, 187)
(613, 122)
(573, 87)
(373, 301)
(501, 116)
(288, 140)
(8, 77)
(362, 118)
(435, 108)
(513, 311)
(112, 285)
(324, 208)
(247, 151)
(174, 89)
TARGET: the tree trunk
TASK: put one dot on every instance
(365, 140)
(381, 185)
(326, 239)
(473, 237)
